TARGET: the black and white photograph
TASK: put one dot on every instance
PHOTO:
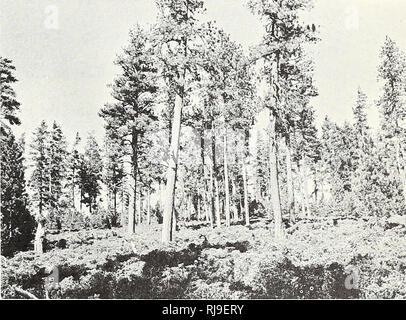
(203, 150)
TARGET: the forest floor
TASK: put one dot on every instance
(319, 259)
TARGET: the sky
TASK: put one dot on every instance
(63, 51)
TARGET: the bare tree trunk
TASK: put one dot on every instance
(316, 190)
(289, 182)
(401, 169)
(203, 197)
(132, 215)
(403, 179)
(199, 214)
(240, 205)
(211, 212)
(206, 209)
(174, 220)
(233, 201)
(161, 189)
(256, 180)
(246, 206)
(245, 161)
(301, 188)
(216, 199)
(73, 187)
(73, 213)
(167, 231)
(305, 206)
(226, 185)
(218, 213)
(123, 198)
(39, 238)
(189, 207)
(274, 180)
(306, 197)
(115, 209)
(139, 206)
(148, 206)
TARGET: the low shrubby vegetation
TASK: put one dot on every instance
(226, 263)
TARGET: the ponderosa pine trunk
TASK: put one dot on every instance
(289, 182)
(115, 208)
(226, 185)
(218, 212)
(316, 190)
(122, 206)
(199, 214)
(132, 214)
(167, 232)
(206, 210)
(401, 168)
(305, 204)
(81, 201)
(301, 193)
(233, 201)
(216, 198)
(245, 162)
(174, 220)
(39, 238)
(403, 179)
(274, 180)
(139, 207)
(246, 206)
(212, 204)
(188, 207)
(204, 195)
(148, 206)
(73, 188)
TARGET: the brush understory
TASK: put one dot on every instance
(223, 263)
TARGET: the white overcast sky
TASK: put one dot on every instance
(64, 66)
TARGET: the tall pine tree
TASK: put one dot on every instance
(17, 224)
(132, 112)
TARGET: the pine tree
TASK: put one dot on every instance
(40, 178)
(360, 115)
(392, 72)
(57, 169)
(134, 92)
(297, 86)
(90, 173)
(285, 35)
(40, 182)
(219, 57)
(207, 115)
(114, 172)
(17, 224)
(363, 181)
(9, 105)
(173, 37)
(262, 167)
(363, 141)
(337, 156)
(73, 172)
(306, 152)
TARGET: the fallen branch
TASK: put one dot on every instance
(25, 294)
